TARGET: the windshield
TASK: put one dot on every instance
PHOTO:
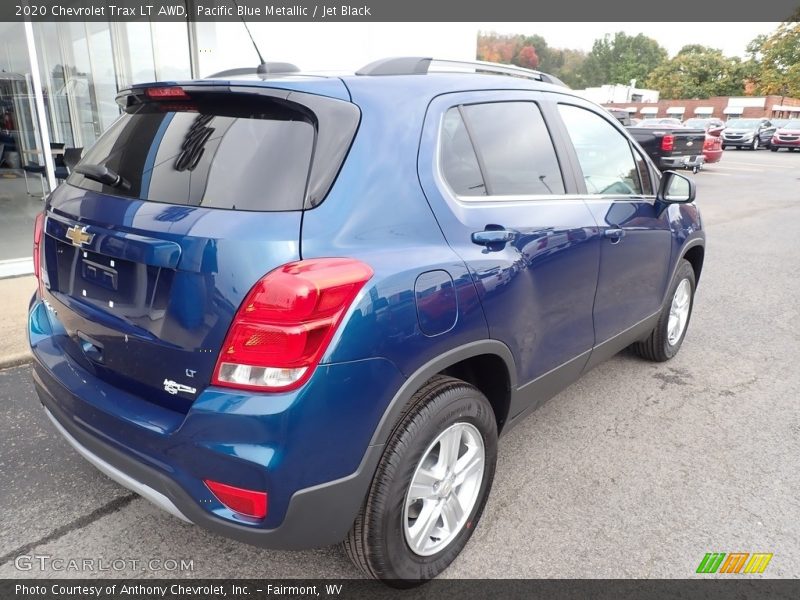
(793, 124)
(743, 124)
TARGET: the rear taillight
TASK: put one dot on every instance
(286, 322)
(38, 232)
(166, 93)
(251, 503)
(668, 143)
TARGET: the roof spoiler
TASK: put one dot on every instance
(266, 68)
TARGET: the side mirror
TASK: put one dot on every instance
(676, 188)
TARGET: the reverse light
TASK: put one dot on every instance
(166, 93)
(286, 322)
(38, 231)
(668, 143)
(250, 503)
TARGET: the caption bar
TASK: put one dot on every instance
(386, 11)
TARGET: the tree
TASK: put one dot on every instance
(775, 61)
(532, 52)
(622, 58)
(527, 57)
(699, 72)
(570, 70)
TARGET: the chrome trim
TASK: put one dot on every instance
(488, 67)
(552, 197)
(446, 190)
(145, 491)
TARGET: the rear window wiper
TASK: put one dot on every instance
(102, 174)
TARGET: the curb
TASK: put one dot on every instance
(15, 359)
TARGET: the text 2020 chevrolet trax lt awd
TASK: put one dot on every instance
(299, 310)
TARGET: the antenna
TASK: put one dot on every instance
(262, 68)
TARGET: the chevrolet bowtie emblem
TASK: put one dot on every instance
(79, 236)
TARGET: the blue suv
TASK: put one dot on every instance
(298, 310)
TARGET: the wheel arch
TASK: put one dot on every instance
(695, 255)
(487, 364)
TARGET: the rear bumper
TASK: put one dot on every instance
(309, 506)
(681, 162)
(318, 516)
(114, 473)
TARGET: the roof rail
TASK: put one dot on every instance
(267, 68)
(418, 65)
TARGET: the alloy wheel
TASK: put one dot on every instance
(679, 312)
(444, 489)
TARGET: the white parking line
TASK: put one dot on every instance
(737, 168)
(769, 165)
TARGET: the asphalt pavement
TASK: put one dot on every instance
(637, 470)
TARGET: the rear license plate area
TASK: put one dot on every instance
(101, 279)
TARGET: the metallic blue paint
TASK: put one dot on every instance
(551, 294)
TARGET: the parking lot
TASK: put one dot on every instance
(637, 470)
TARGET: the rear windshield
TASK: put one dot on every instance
(242, 154)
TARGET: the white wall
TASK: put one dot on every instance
(330, 46)
(617, 93)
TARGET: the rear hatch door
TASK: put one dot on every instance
(172, 216)
(687, 142)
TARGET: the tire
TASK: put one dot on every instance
(773, 149)
(380, 541)
(754, 145)
(659, 345)
(724, 147)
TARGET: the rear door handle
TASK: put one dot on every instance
(491, 237)
(614, 235)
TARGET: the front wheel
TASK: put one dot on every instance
(430, 486)
(754, 145)
(667, 336)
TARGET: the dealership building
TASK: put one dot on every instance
(58, 82)
(722, 107)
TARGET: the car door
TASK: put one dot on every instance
(618, 185)
(765, 132)
(506, 198)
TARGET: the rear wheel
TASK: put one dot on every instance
(773, 149)
(430, 486)
(667, 336)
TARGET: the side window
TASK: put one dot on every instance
(514, 148)
(458, 161)
(605, 155)
(644, 174)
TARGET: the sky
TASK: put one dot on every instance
(348, 46)
(731, 38)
